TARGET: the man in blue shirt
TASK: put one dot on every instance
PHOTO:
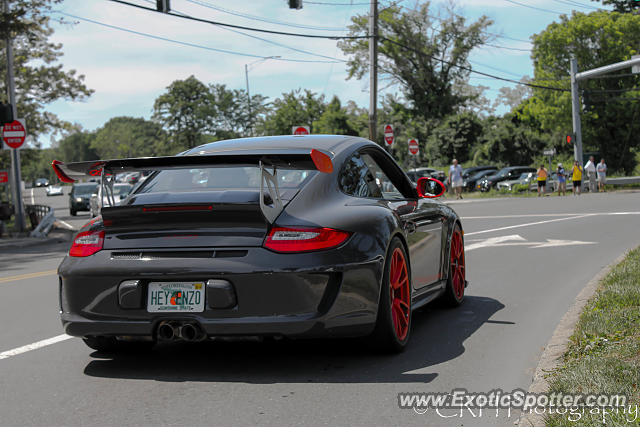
(455, 178)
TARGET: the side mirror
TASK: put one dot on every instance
(429, 188)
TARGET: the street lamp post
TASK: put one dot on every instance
(246, 76)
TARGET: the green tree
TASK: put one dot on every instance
(453, 138)
(76, 147)
(597, 39)
(231, 111)
(420, 52)
(186, 112)
(507, 142)
(623, 6)
(295, 108)
(129, 137)
(335, 120)
(39, 76)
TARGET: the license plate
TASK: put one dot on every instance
(175, 297)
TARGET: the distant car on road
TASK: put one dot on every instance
(41, 182)
(80, 196)
(54, 190)
(470, 182)
(120, 192)
(504, 174)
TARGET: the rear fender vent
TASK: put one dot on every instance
(151, 255)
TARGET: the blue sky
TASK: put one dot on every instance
(128, 71)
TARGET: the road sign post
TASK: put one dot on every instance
(414, 148)
(300, 130)
(388, 135)
(4, 177)
(15, 154)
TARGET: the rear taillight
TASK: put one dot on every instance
(87, 243)
(281, 239)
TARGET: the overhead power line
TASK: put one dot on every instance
(189, 44)
(576, 4)
(260, 18)
(535, 7)
(240, 27)
(471, 70)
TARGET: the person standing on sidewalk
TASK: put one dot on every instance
(590, 170)
(562, 180)
(455, 178)
(576, 178)
(542, 180)
(601, 169)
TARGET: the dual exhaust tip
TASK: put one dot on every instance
(187, 331)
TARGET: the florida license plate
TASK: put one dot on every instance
(175, 297)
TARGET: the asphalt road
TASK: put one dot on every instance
(527, 259)
(60, 204)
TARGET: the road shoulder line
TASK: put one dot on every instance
(559, 342)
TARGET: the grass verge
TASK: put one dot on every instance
(604, 352)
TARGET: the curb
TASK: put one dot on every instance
(56, 236)
(557, 345)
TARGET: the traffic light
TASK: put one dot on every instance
(570, 139)
(295, 4)
(6, 114)
(163, 6)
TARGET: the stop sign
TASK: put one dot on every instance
(388, 134)
(300, 130)
(4, 177)
(414, 148)
(13, 134)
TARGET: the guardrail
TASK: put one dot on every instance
(41, 218)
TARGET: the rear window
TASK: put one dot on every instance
(220, 178)
(83, 189)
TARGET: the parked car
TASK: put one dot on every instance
(552, 183)
(473, 170)
(120, 192)
(54, 190)
(80, 196)
(524, 179)
(469, 183)
(504, 174)
(41, 182)
(200, 250)
(417, 173)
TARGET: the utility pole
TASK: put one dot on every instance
(373, 71)
(16, 179)
(575, 110)
(576, 77)
(246, 77)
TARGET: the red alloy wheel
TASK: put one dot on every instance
(457, 264)
(400, 295)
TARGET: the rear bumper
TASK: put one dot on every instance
(306, 295)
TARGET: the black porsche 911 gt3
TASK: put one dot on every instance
(295, 236)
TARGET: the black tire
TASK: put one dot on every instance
(385, 337)
(105, 344)
(453, 294)
(73, 213)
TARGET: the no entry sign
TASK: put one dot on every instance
(414, 148)
(300, 130)
(4, 177)
(14, 133)
(388, 134)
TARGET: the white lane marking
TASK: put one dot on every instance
(66, 224)
(34, 346)
(546, 215)
(526, 225)
(517, 240)
(493, 242)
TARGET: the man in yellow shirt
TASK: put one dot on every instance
(576, 177)
(542, 180)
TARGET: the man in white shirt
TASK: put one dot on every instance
(455, 178)
(601, 169)
(590, 169)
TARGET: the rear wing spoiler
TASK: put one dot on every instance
(302, 159)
